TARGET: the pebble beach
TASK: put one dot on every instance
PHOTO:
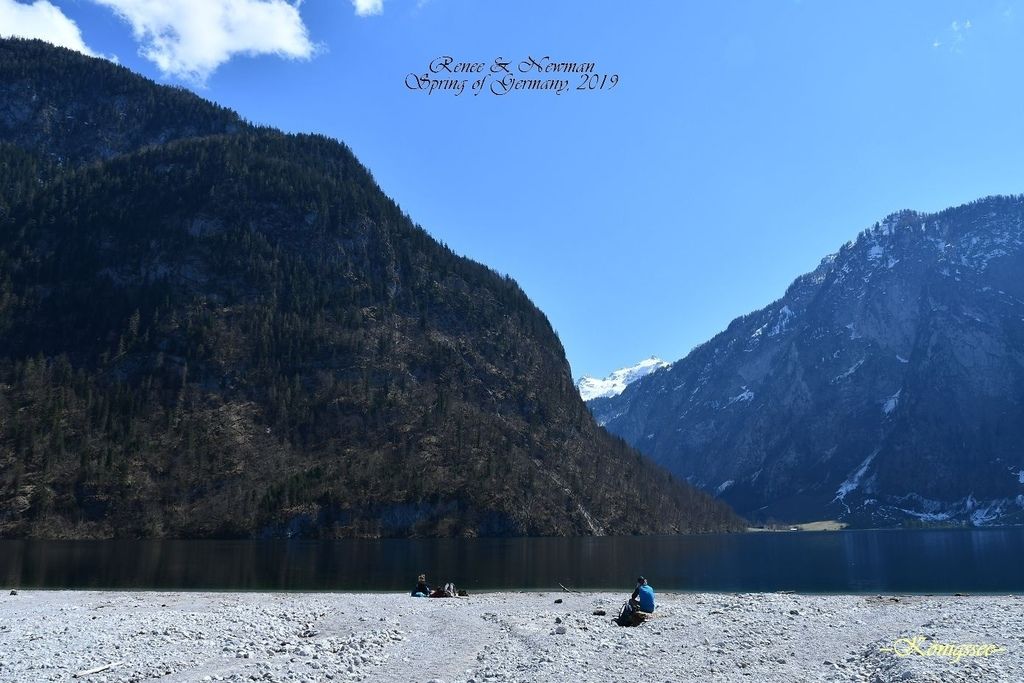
(506, 637)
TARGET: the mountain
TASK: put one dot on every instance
(885, 387)
(72, 111)
(213, 329)
(613, 385)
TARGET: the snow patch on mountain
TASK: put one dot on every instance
(853, 481)
(849, 372)
(615, 383)
(976, 512)
(889, 404)
(785, 315)
(745, 395)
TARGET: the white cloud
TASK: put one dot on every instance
(365, 8)
(189, 39)
(959, 32)
(957, 35)
(40, 20)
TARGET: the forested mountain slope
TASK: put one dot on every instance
(211, 329)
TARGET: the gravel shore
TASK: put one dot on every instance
(504, 637)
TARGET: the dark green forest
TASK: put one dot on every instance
(213, 329)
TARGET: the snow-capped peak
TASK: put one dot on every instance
(615, 383)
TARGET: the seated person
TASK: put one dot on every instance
(643, 596)
(421, 590)
(642, 600)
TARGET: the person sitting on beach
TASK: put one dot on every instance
(643, 596)
(640, 602)
(421, 590)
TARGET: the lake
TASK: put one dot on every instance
(868, 561)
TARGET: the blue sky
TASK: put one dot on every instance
(744, 141)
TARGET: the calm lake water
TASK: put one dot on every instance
(926, 561)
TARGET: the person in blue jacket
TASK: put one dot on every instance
(643, 596)
(642, 600)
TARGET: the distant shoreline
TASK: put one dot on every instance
(823, 525)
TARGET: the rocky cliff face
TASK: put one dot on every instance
(885, 386)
